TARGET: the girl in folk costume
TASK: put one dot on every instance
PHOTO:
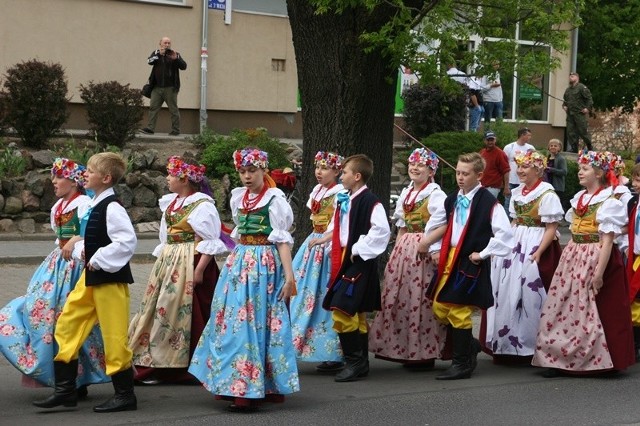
(585, 325)
(521, 278)
(28, 322)
(177, 302)
(246, 354)
(405, 330)
(311, 326)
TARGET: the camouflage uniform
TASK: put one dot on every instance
(576, 98)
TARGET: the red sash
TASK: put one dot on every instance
(336, 249)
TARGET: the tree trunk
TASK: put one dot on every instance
(347, 95)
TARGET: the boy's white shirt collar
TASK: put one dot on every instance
(355, 194)
(471, 193)
(104, 194)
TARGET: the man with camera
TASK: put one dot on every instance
(165, 80)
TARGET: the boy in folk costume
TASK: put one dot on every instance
(102, 292)
(359, 233)
(633, 259)
(477, 228)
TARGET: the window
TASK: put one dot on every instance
(270, 7)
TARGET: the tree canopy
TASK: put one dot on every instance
(608, 53)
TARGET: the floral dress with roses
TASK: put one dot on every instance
(518, 282)
(313, 336)
(580, 331)
(405, 330)
(165, 331)
(27, 323)
(246, 351)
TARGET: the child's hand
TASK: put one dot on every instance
(67, 250)
(435, 257)
(314, 242)
(287, 289)
(198, 276)
(422, 249)
(535, 257)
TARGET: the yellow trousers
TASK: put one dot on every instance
(635, 305)
(459, 316)
(343, 323)
(107, 304)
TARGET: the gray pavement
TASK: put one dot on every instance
(391, 395)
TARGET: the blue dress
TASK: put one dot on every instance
(27, 323)
(313, 336)
(245, 352)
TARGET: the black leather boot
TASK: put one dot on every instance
(124, 399)
(474, 351)
(636, 342)
(364, 342)
(64, 391)
(355, 365)
(461, 364)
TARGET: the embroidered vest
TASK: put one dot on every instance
(321, 219)
(585, 229)
(529, 214)
(255, 222)
(416, 219)
(179, 230)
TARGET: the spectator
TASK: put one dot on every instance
(165, 80)
(475, 103)
(496, 171)
(577, 103)
(556, 171)
(493, 96)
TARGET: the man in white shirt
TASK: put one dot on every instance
(492, 96)
(520, 146)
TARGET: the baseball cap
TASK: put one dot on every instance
(489, 135)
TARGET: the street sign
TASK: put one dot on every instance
(217, 4)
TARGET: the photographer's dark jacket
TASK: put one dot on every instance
(166, 71)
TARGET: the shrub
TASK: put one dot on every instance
(433, 108)
(114, 111)
(4, 108)
(217, 154)
(12, 163)
(36, 95)
(571, 182)
(78, 151)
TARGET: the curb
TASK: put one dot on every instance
(36, 260)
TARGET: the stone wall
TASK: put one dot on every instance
(26, 201)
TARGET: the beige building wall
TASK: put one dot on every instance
(104, 40)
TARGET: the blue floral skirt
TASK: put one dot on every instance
(313, 338)
(246, 349)
(27, 325)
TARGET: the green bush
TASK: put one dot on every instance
(4, 108)
(36, 96)
(79, 151)
(114, 111)
(217, 151)
(571, 183)
(12, 163)
(433, 108)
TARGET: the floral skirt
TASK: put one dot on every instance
(27, 325)
(579, 331)
(246, 349)
(165, 330)
(406, 329)
(313, 336)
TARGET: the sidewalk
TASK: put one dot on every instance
(31, 249)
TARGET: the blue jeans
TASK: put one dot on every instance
(492, 110)
(475, 113)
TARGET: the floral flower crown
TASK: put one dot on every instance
(69, 169)
(177, 167)
(426, 157)
(602, 160)
(532, 158)
(251, 157)
(328, 159)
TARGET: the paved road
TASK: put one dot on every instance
(391, 395)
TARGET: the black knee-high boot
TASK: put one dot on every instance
(355, 365)
(64, 391)
(124, 398)
(462, 363)
(636, 342)
(364, 342)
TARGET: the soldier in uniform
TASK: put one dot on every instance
(577, 103)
